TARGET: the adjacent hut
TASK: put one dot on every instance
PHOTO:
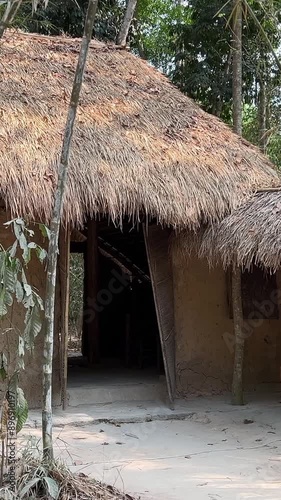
(145, 161)
(249, 236)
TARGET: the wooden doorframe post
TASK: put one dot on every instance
(157, 249)
(90, 345)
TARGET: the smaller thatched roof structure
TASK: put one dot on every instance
(140, 146)
(249, 235)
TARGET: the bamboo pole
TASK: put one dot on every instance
(47, 418)
(237, 382)
(126, 23)
(64, 260)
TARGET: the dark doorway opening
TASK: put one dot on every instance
(121, 315)
(128, 329)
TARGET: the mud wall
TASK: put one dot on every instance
(13, 323)
(204, 333)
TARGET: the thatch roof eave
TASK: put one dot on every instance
(249, 235)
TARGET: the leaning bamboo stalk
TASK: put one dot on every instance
(237, 382)
(126, 23)
(64, 257)
(54, 236)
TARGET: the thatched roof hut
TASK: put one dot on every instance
(249, 235)
(140, 145)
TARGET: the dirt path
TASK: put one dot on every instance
(211, 455)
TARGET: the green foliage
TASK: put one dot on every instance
(155, 30)
(13, 282)
(21, 412)
(3, 366)
(67, 17)
(76, 290)
(14, 286)
(38, 484)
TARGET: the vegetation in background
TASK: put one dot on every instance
(76, 294)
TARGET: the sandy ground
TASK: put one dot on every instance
(212, 454)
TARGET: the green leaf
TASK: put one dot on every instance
(46, 233)
(41, 254)
(21, 346)
(27, 289)
(10, 275)
(2, 258)
(52, 487)
(17, 230)
(33, 325)
(27, 489)
(26, 255)
(3, 374)
(20, 222)
(19, 291)
(20, 364)
(13, 249)
(28, 302)
(6, 493)
(8, 299)
(21, 410)
(32, 244)
(3, 366)
(3, 308)
(23, 277)
(13, 384)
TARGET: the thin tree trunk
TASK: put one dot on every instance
(125, 26)
(64, 259)
(237, 383)
(264, 34)
(9, 15)
(262, 115)
(225, 78)
(237, 67)
(55, 227)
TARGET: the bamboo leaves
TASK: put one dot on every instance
(33, 325)
(3, 366)
(39, 483)
(21, 412)
(13, 281)
(12, 7)
(14, 286)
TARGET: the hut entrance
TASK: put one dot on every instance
(118, 354)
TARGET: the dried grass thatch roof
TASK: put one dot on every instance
(140, 145)
(250, 234)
